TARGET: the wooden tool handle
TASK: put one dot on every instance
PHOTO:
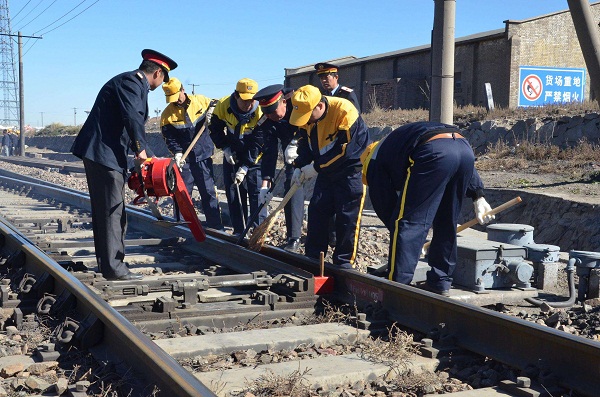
(474, 221)
(189, 149)
(322, 263)
(287, 197)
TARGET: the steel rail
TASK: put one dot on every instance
(573, 360)
(119, 334)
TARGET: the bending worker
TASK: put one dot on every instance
(276, 104)
(182, 119)
(233, 129)
(115, 125)
(417, 178)
(332, 137)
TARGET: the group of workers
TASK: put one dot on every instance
(417, 175)
(10, 143)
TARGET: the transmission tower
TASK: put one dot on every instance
(9, 100)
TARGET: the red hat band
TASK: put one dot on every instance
(270, 101)
(160, 62)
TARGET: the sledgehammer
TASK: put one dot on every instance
(474, 221)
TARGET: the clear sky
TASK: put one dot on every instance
(218, 42)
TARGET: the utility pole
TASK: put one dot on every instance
(441, 108)
(193, 87)
(42, 113)
(75, 117)
(21, 85)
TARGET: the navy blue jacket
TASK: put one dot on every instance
(116, 122)
(275, 132)
(6, 141)
(393, 153)
(346, 93)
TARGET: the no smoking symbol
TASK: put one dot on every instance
(532, 87)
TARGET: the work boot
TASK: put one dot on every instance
(293, 244)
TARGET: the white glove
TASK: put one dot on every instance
(228, 155)
(264, 196)
(481, 208)
(209, 114)
(240, 174)
(291, 152)
(179, 161)
(308, 172)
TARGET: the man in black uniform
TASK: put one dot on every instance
(275, 102)
(417, 178)
(328, 75)
(115, 125)
(180, 122)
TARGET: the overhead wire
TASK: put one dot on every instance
(75, 16)
(64, 15)
(25, 16)
(44, 10)
(22, 8)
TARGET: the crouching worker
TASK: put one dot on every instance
(417, 178)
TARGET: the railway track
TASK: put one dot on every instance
(192, 289)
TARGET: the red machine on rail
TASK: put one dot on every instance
(160, 177)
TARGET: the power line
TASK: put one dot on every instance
(64, 15)
(44, 10)
(22, 8)
(30, 11)
(71, 18)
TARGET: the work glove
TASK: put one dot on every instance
(308, 172)
(264, 196)
(179, 160)
(303, 174)
(228, 155)
(209, 114)
(481, 208)
(241, 174)
(291, 152)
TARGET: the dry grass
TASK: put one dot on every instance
(395, 351)
(270, 384)
(378, 117)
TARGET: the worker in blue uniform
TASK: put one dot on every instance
(233, 129)
(417, 177)
(114, 126)
(332, 137)
(328, 75)
(275, 102)
(180, 122)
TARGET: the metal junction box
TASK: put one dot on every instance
(483, 264)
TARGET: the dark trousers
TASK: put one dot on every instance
(343, 196)
(201, 173)
(249, 190)
(109, 221)
(294, 209)
(434, 188)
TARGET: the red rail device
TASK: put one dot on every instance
(160, 177)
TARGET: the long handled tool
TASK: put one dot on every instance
(189, 149)
(257, 211)
(474, 221)
(258, 236)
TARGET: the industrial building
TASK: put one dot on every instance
(528, 63)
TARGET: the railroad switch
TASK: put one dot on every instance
(164, 304)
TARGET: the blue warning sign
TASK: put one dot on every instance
(539, 85)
